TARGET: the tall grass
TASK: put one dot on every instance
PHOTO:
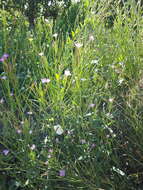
(71, 100)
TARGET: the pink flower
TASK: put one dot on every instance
(5, 152)
(62, 173)
(19, 131)
(91, 105)
(93, 145)
(4, 57)
(50, 150)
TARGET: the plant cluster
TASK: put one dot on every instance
(71, 99)
(33, 9)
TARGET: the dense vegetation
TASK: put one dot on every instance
(33, 9)
(71, 96)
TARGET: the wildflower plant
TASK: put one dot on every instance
(71, 100)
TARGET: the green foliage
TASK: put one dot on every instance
(71, 99)
(33, 9)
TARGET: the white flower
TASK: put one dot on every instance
(30, 132)
(49, 3)
(49, 156)
(33, 147)
(5, 152)
(111, 99)
(78, 45)
(83, 141)
(4, 77)
(91, 105)
(110, 130)
(55, 35)
(113, 66)
(61, 3)
(91, 38)
(29, 113)
(19, 131)
(121, 63)
(80, 158)
(46, 20)
(46, 140)
(58, 129)
(75, 1)
(45, 80)
(120, 81)
(94, 61)
(83, 79)
(67, 73)
(41, 54)
(118, 171)
(1, 101)
(109, 115)
(89, 114)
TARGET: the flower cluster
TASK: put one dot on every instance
(4, 57)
